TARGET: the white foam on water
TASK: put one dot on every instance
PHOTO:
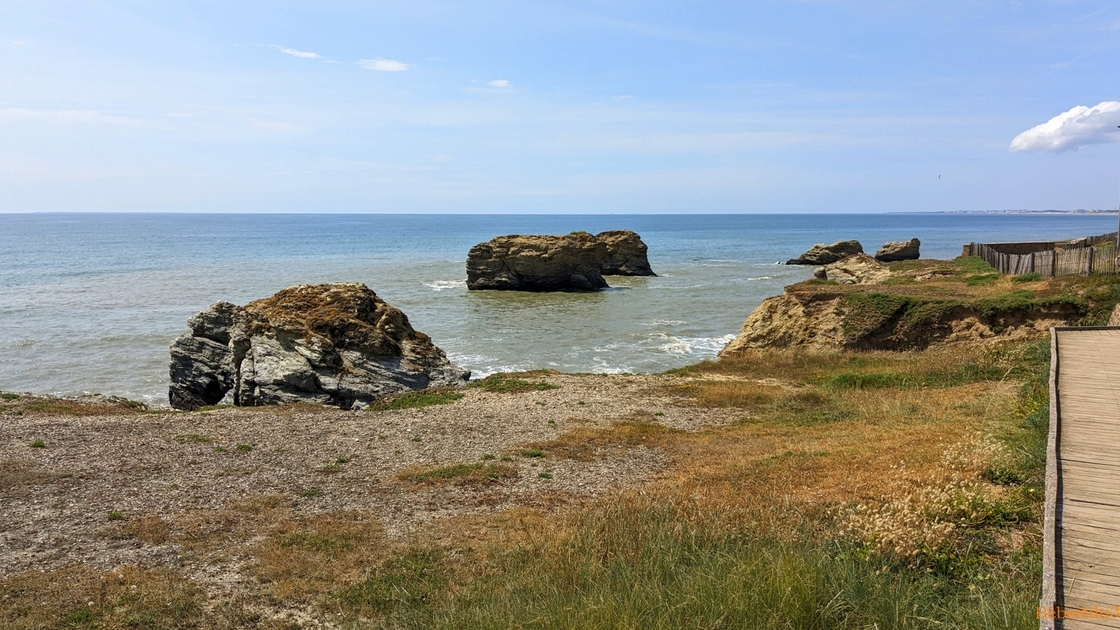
(441, 285)
(694, 346)
(666, 322)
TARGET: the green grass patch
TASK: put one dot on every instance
(418, 400)
(193, 438)
(507, 384)
(980, 279)
(38, 444)
(459, 473)
(1033, 276)
(213, 407)
(642, 564)
(8, 396)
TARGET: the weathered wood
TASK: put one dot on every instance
(1081, 529)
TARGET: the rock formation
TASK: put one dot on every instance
(626, 254)
(831, 320)
(330, 344)
(858, 269)
(899, 250)
(824, 254)
(573, 262)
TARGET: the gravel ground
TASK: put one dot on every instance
(56, 499)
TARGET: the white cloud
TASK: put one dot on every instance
(383, 65)
(17, 43)
(300, 53)
(499, 83)
(70, 117)
(1073, 129)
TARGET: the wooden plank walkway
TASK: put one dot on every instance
(1081, 535)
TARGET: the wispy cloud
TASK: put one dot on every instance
(1070, 130)
(499, 83)
(302, 54)
(383, 65)
(71, 116)
(17, 43)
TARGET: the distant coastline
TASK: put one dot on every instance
(1094, 211)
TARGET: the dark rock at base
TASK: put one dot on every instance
(330, 344)
(626, 254)
(572, 262)
(825, 254)
(899, 250)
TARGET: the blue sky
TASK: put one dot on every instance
(578, 106)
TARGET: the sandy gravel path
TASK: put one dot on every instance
(56, 499)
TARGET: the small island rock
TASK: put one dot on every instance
(571, 262)
(331, 344)
(824, 254)
(899, 250)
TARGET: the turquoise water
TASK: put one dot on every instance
(90, 302)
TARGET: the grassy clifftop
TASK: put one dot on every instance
(926, 302)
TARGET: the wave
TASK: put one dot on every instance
(440, 285)
(699, 346)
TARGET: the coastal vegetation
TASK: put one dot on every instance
(831, 488)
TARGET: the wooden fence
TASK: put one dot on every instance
(1091, 255)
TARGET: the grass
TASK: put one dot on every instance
(38, 444)
(8, 396)
(418, 400)
(510, 384)
(459, 474)
(193, 438)
(126, 597)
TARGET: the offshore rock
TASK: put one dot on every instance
(331, 344)
(572, 262)
(858, 269)
(899, 250)
(824, 254)
(626, 254)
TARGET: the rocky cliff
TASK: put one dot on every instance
(571, 262)
(861, 304)
(330, 344)
(882, 321)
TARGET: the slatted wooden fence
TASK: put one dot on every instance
(1093, 255)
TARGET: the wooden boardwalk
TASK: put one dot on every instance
(1081, 552)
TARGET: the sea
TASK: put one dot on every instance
(89, 303)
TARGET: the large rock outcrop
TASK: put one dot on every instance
(899, 250)
(626, 254)
(331, 344)
(824, 254)
(824, 320)
(858, 269)
(572, 262)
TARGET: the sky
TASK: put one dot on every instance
(580, 106)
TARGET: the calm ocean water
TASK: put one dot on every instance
(90, 302)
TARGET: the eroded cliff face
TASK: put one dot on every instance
(329, 344)
(569, 262)
(830, 320)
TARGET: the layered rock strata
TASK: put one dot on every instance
(572, 262)
(331, 344)
(824, 254)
